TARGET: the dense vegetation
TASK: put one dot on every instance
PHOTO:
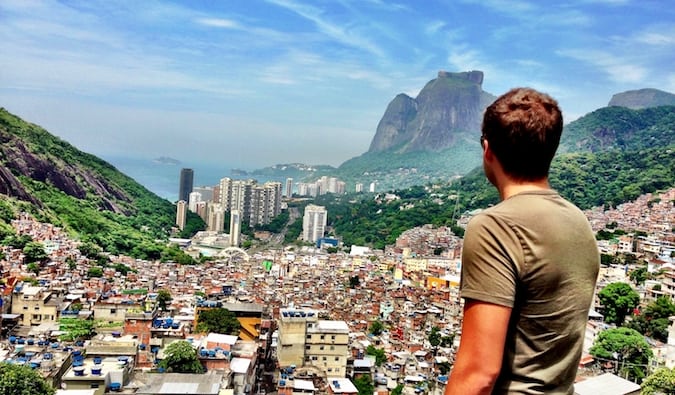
(92, 200)
(588, 180)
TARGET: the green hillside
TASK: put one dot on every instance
(641, 160)
(85, 195)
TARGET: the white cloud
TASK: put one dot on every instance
(618, 69)
(218, 22)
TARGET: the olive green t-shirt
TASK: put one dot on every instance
(536, 253)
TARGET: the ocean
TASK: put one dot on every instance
(162, 178)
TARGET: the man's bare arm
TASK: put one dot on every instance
(481, 349)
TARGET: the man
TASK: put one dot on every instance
(529, 264)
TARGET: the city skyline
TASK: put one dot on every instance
(252, 84)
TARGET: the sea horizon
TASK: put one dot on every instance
(162, 178)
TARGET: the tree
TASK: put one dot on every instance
(95, 272)
(180, 357)
(163, 296)
(662, 381)
(435, 338)
(34, 252)
(653, 320)
(398, 390)
(627, 348)
(617, 300)
(376, 328)
(218, 320)
(639, 275)
(364, 384)
(354, 281)
(22, 380)
(378, 353)
(17, 241)
(34, 268)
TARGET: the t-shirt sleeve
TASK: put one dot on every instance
(490, 261)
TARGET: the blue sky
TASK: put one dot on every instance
(251, 83)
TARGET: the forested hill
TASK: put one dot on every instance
(637, 157)
(60, 184)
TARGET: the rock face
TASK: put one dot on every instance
(31, 152)
(447, 110)
(642, 98)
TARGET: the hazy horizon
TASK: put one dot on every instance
(261, 82)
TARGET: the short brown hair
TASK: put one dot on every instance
(523, 128)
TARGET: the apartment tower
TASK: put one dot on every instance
(314, 222)
(185, 184)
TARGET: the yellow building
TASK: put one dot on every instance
(37, 306)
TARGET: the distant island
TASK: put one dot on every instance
(165, 160)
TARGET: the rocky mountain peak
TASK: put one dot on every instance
(447, 111)
(642, 98)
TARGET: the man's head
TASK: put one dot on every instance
(523, 129)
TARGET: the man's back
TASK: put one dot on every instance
(534, 252)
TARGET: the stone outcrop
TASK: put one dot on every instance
(642, 98)
(447, 110)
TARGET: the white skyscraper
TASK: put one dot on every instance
(314, 222)
(195, 197)
(225, 188)
(289, 188)
(216, 217)
(181, 214)
(359, 187)
(235, 228)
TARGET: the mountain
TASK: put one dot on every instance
(85, 195)
(609, 156)
(445, 113)
(642, 98)
(620, 128)
(434, 136)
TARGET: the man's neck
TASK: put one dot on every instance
(510, 187)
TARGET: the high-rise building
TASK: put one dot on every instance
(314, 222)
(359, 187)
(181, 214)
(185, 184)
(240, 197)
(289, 188)
(207, 193)
(225, 195)
(372, 187)
(235, 228)
(195, 197)
(216, 218)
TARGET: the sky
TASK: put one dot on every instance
(252, 83)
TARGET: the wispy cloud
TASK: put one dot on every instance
(218, 22)
(616, 68)
(334, 31)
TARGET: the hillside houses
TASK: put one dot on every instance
(410, 288)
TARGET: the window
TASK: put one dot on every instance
(323, 337)
(25, 307)
(332, 348)
(309, 337)
(324, 358)
(330, 370)
(94, 385)
(332, 337)
(321, 348)
(307, 347)
(314, 358)
(113, 311)
(337, 359)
